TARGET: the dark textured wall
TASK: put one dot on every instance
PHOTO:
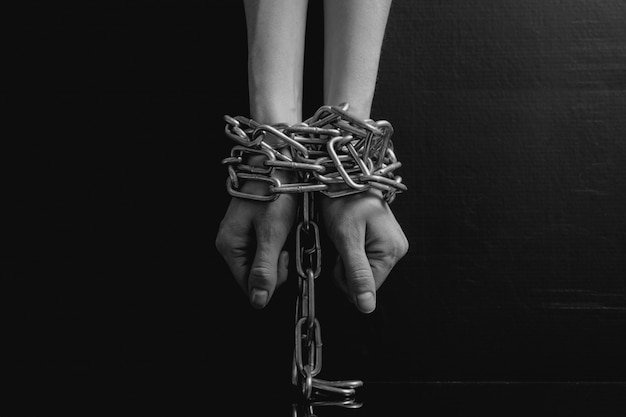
(508, 117)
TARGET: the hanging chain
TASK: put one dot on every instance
(307, 358)
(335, 154)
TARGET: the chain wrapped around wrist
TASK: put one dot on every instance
(332, 153)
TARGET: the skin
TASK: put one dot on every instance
(252, 235)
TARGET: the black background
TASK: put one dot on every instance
(509, 120)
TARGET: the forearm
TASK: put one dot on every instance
(276, 31)
(353, 37)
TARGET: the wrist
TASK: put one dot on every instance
(267, 109)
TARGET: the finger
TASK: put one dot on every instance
(339, 275)
(237, 255)
(380, 270)
(359, 279)
(283, 268)
(263, 276)
(239, 264)
(385, 246)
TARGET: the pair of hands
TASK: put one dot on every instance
(366, 234)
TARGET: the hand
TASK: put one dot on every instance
(251, 237)
(369, 242)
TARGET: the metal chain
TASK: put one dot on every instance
(332, 147)
(335, 154)
(307, 358)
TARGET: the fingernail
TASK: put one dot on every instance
(258, 298)
(366, 302)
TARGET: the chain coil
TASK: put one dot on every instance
(331, 148)
(332, 153)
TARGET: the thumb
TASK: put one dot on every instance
(263, 275)
(359, 279)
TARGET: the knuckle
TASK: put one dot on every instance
(222, 243)
(401, 248)
(360, 278)
(398, 247)
(394, 252)
(261, 274)
(266, 233)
